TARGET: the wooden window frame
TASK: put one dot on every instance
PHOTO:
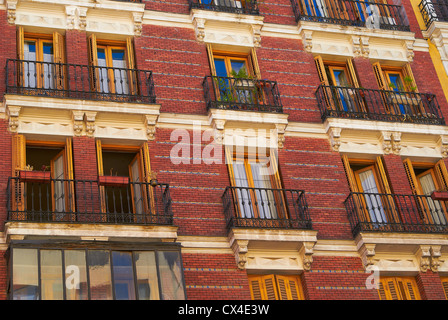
(398, 288)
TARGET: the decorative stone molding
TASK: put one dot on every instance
(307, 39)
(335, 138)
(367, 252)
(78, 122)
(150, 121)
(391, 142)
(138, 23)
(435, 255)
(82, 18)
(199, 28)
(70, 12)
(396, 144)
(239, 248)
(443, 143)
(76, 17)
(409, 46)
(356, 43)
(365, 50)
(280, 127)
(13, 116)
(423, 255)
(256, 35)
(90, 123)
(11, 6)
(306, 253)
(218, 127)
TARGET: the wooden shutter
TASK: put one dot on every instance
(93, 63)
(148, 191)
(288, 288)
(441, 174)
(349, 174)
(383, 175)
(269, 287)
(18, 164)
(263, 287)
(351, 70)
(132, 74)
(398, 288)
(407, 72)
(256, 287)
(321, 71)
(445, 286)
(254, 64)
(99, 159)
(408, 288)
(211, 60)
(145, 162)
(388, 289)
(409, 168)
(70, 175)
(20, 55)
(229, 159)
(59, 58)
(379, 75)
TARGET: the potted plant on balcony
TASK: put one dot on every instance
(113, 180)
(30, 175)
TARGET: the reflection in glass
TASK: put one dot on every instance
(75, 275)
(146, 273)
(100, 275)
(171, 275)
(123, 275)
(25, 275)
(51, 274)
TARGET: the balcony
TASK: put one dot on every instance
(246, 207)
(381, 105)
(369, 14)
(75, 81)
(375, 212)
(434, 10)
(241, 94)
(33, 198)
(230, 6)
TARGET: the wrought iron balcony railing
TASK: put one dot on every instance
(88, 201)
(232, 6)
(79, 81)
(380, 212)
(370, 14)
(434, 10)
(265, 208)
(242, 94)
(382, 105)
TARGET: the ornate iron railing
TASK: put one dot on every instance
(265, 208)
(380, 212)
(79, 81)
(434, 10)
(88, 201)
(382, 105)
(232, 6)
(242, 94)
(359, 13)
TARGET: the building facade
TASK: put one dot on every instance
(223, 149)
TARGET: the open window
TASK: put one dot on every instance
(112, 66)
(339, 82)
(275, 287)
(398, 288)
(371, 192)
(124, 175)
(41, 60)
(43, 187)
(256, 185)
(425, 178)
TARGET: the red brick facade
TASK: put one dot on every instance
(179, 63)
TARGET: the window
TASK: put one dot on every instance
(41, 56)
(425, 178)
(47, 198)
(275, 287)
(339, 80)
(113, 68)
(398, 288)
(370, 188)
(445, 286)
(79, 273)
(257, 185)
(131, 162)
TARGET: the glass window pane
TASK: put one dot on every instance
(75, 275)
(25, 282)
(51, 274)
(100, 275)
(123, 275)
(147, 284)
(220, 68)
(238, 65)
(171, 275)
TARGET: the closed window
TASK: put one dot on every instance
(275, 287)
(398, 288)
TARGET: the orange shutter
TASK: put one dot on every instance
(18, 164)
(349, 174)
(132, 74)
(289, 288)
(256, 287)
(211, 60)
(270, 289)
(382, 84)
(408, 167)
(254, 64)
(407, 72)
(20, 55)
(382, 172)
(351, 70)
(442, 174)
(93, 62)
(445, 286)
(398, 288)
(59, 57)
(321, 71)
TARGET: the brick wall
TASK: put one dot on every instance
(5, 168)
(430, 286)
(8, 49)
